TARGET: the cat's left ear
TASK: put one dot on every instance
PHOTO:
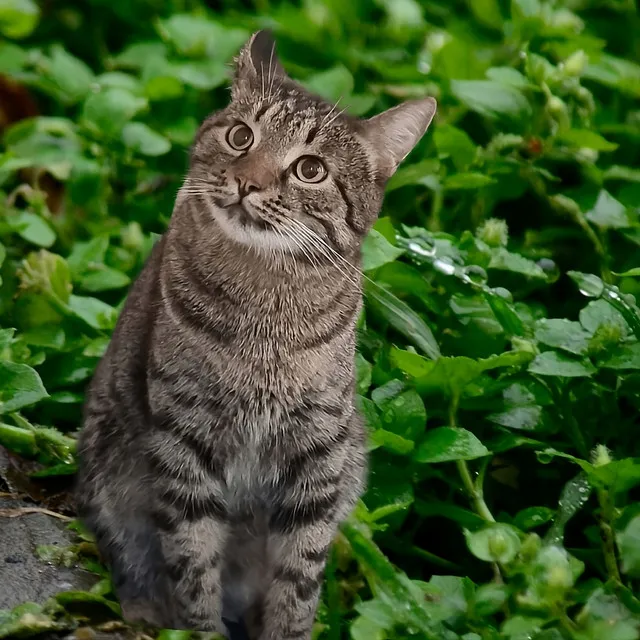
(257, 66)
(395, 132)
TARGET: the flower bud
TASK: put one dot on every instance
(494, 232)
(575, 64)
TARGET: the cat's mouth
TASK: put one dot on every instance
(243, 217)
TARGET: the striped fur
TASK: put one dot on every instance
(221, 448)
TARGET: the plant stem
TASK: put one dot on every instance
(474, 492)
(333, 596)
(606, 531)
(473, 489)
(436, 207)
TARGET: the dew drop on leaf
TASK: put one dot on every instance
(444, 265)
(474, 274)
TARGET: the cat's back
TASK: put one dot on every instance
(118, 390)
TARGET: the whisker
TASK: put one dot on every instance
(319, 244)
(328, 115)
(299, 242)
(273, 48)
(337, 115)
(323, 246)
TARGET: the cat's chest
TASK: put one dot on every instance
(253, 468)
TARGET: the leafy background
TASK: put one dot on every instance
(499, 358)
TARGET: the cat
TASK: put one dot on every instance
(221, 447)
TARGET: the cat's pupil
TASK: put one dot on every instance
(310, 168)
(241, 136)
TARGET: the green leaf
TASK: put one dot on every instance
(617, 476)
(12, 57)
(451, 374)
(617, 172)
(624, 357)
(456, 144)
(526, 418)
(108, 111)
(391, 442)
(402, 413)
(46, 272)
(490, 598)
(393, 585)
(575, 495)
(363, 374)
(79, 601)
(563, 334)
(491, 99)
(423, 173)
(507, 75)
(6, 338)
(605, 616)
(519, 627)
(141, 139)
(504, 260)
(587, 139)
(635, 272)
(551, 363)
(487, 12)
(87, 255)
(533, 517)
(608, 213)
(94, 312)
(49, 337)
(174, 634)
(332, 84)
(71, 77)
(599, 313)
(32, 228)
(494, 543)
(403, 319)
(104, 279)
(18, 18)
(20, 386)
(196, 36)
(161, 87)
(446, 444)
(377, 250)
(629, 546)
(468, 181)
(27, 620)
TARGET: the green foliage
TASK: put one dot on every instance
(500, 341)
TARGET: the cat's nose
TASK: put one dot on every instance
(247, 186)
(254, 172)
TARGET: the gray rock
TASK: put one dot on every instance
(24, 577)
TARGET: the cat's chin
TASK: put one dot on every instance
(239, 226)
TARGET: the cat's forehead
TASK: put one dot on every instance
(293, 114)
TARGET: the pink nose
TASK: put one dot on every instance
(253, 173)
(247, 186)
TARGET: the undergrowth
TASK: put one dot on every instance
(499, 349)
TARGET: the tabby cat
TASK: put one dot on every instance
(221, 447)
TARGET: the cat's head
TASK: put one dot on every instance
(282, 169)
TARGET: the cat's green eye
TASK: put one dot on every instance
(310, 169)
(240, 137)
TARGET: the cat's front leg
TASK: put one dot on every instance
(194, 552)
(299, 553)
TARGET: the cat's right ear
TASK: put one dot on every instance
(257, 66)
(395, 132)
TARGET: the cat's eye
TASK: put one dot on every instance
(240, 137)
(310, 169)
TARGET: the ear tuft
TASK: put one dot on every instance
(396, 132)
(257, 64)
